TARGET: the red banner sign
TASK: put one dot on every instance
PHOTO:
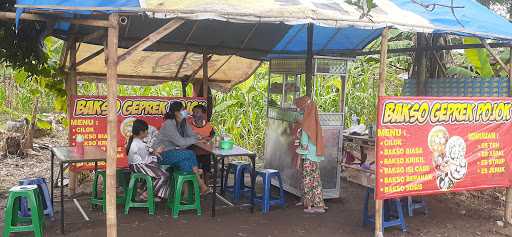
(89, 119)
(435, 145)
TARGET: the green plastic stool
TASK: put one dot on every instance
(194, 199)
(120, 199)
(132, 189)
(12, 220)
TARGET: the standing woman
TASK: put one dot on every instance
(311, 150)
(173, 140)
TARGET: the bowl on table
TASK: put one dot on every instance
(226, 144)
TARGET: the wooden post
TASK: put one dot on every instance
(112, 45)
(508, 200)
(205, 74)
(382, 92)
(184, 88)
(72, 92)
(309, 60)
(342, 92)
(421, 64)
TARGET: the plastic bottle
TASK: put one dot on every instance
(79, 145)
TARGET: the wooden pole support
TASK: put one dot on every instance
(151, 38)
(205, 74)
(112, 45)
(309, 60)
(508, 200)
(72, 92)
(489, 49)
(382, 92)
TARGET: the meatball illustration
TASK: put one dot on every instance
(437, 139)
(455, 154)
(449, 159)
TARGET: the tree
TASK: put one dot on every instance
(23, 49)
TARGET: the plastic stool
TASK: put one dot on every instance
(194, 199)
(43, 191)
(266, 200)
(120, 199)
(12, 220)
(413, 204)
(132, 189)
(388, 219)
(238, 169)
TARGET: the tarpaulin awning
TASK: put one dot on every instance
(254, 30)
(452, 16)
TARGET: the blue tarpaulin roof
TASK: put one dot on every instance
(463, 17)
(259, 29)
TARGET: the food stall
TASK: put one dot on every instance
(286, 77)
(142, 28)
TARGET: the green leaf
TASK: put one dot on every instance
(459, 72)
(479, 58)
(43, 124)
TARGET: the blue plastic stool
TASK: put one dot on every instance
(266, 200)
(415, 203)
(45, 196)
(238, 169)
(392, 208)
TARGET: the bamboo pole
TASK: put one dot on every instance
(508, 200)
(382, 92)
(205, 74)
(112, 45)
(500, 62)
(72, 92)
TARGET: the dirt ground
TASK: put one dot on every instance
(463, 214)
(344, 218)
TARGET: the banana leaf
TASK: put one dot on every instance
(479, 58)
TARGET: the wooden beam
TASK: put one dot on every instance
(112, 45)
(102, 76)
(382, 82)
(192, 77)
(36, 17)
(151, 38)
(502, 64)
(309, 60)
(205, 74)
(90, 57)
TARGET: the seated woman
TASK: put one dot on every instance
(173, 140)
(200, 126)
(141, 161)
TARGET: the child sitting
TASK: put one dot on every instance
(141, 161)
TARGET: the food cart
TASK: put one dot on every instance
(284, 85)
